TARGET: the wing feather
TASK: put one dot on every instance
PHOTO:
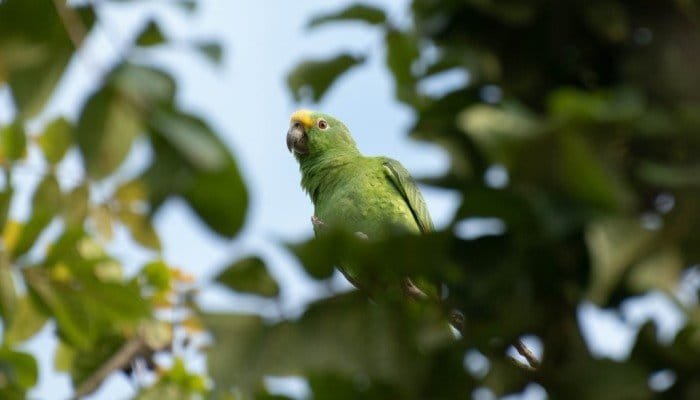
(405, 184)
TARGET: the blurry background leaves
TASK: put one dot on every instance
(588, 111)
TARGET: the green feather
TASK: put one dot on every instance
(352, 192)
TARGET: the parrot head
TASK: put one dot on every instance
(313, 133)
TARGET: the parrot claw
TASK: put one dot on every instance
(318, 224)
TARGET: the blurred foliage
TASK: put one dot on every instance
(56, 267)
(589, 113)
(590, 108)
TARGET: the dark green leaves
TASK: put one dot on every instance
(358, 12)
(346, 335)
(151, 35)
(192, 162)
(249, 275)
(106, 129)
(46, 203)
(401, 54)
(35, 49)
(311, 79)
(20, 372)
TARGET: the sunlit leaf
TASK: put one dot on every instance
(5, 197)
(13, 143)
(101, 218)
(141, 229)
(614, 245)
(249, 275)
(46, 203)
(661, 270)
(311, 79)
(157, 274)
(27, 322)
(75, 206)
(9, 297)
(131, 193)
(63, 357)
(56, 139)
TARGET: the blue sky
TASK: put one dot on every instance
(246, 100)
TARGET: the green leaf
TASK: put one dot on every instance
(187, 5)
(499, 131)
(357, 12)
(64, 357)
(402, 52)
(107, 127)
(211, 50)
(86, 361)
(5, 196)
(584, 176)
(27, 322)
(614, 245)
(310, 80)
(67, 307)
(220, 200)
(191, 161)
(8, 292)
(345, 335)
(76, 206)
(56, 140)
(46, 203)
(661, 270)
(19, 370)
(143, 86)
(151, 35)
(141, 229)
(35, 50)
(13, 143)
(249, 275)
(192, 138)
(157, 274)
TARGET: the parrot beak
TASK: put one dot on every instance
(296, 139)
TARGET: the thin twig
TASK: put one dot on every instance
(524, 351)
(130, 350)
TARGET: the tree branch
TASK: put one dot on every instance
(524, 351)
(130, 350)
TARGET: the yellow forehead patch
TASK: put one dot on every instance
(303, 116)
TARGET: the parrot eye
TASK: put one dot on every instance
(322, 124)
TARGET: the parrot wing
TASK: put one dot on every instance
(404, 183)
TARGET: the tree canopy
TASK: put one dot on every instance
(573, 129)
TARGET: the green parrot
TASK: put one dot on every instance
(373, 197)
